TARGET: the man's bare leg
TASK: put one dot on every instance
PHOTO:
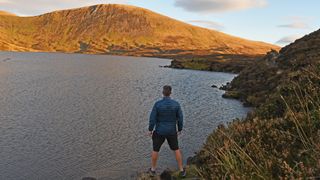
(179, 159)
(154, 158)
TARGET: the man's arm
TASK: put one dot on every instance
(153, 118)
(180, 119)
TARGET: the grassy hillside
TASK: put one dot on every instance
(280, 138)
(119, 29)
(4, 13)
(256, 83)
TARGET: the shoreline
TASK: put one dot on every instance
(216, 62)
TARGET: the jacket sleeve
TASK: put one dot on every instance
(153, 118)
(180, 119)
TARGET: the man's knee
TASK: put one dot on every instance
(173, 142)
(177, 151)
(156, 148)
(155, 153)
(174, 148)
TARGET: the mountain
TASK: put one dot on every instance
(4, 13)
(118, 29)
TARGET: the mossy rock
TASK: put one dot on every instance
(231, 95)
(192, 173)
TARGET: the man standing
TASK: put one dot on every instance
(165, 116)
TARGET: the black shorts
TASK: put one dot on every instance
(157, 141)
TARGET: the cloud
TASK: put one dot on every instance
(212, 6)
(207, 24)
(36, 7)
(4, 1)
(297, 23)
(288, 39)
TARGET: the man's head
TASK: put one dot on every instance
(166, 90)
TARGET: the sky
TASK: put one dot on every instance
(274, 21)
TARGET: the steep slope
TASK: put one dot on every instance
(280, 139)
(118, 29)
(255, 83)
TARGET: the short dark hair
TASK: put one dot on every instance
(167, 90)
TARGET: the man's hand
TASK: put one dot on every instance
(179, 133)
(150, 133)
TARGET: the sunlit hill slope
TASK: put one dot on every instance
(117, 29)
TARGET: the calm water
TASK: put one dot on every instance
(70, 116)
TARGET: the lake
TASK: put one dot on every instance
(68, 116)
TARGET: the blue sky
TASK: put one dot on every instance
(273, 21)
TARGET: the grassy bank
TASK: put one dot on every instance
(270, 144)
(217, 63)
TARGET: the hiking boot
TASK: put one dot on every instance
(152, 173)
(183, 173)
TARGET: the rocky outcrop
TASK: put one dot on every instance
(302, 52)
(257, 81)
(169, 174)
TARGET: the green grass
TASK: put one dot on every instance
(196, 65)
